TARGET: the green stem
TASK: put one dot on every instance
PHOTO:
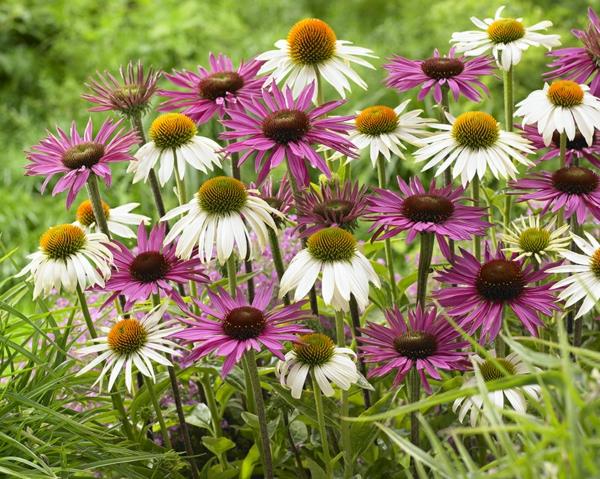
(355, 317)
(179, 182)
(345, 406)
(425, 255)
(211, 402)
(476, 202)
(277, 259)
(577, 323)
(508, 125)
(563, 161)
(94, 194)
(232, 275)
(161, 420)
(322, 430)
(389, 258)
(415, 392)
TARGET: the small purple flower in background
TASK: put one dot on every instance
(215, 90)
(459, 75)
(480, 292)
(75, 157)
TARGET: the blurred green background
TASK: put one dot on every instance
(49, 48)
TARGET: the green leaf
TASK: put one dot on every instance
(217, 445)
(200, 417)
(362, 434)
(249, 462)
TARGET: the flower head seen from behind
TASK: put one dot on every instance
(174, 144)
(346, 271)
(68, 257)
(118, 219)
(133, 343)
(75, 157)
(382, 130)
(476, 293)
(312, 50)
(317, 354)
(459, 75)
(221, 216)
(130, 95)
(239, 326)
(507, 38)
(431, 343)
(287, 127)
(214, 90)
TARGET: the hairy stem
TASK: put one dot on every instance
(161, 420)
(389, 258)
(322, 429)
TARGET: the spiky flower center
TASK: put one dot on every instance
(500, 280)
(245, 322)
(172, 130)
(85, 212)
(218, 85)
(441, 68)
(377, 120)
(595, 263)
(475, 130)
(577, 143)
(62, 241)
(415, 344)
(427, 208)
(127, 336)
(565, 93)
(336, 211)
(575, 180)
(331, 244)
(490, 372)
(314, 349)
(534, 240)
(311, 41)
(273, 202)
(149, 266)
(222, 195)
(286, 126)
(505, 30)
(128, 92)
(82, 155)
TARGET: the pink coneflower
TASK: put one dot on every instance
(151, 270)
(284, 127)
(431, 343)
(241, 326)
(336, 203)
(216, 90)
(76, 157)
(459, 75)
(279, 197)
(574, 188)
(416, 210)
(580, 64)
(481, 291)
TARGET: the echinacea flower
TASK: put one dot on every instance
(117, 218)
(130, 95)
(221, 214)
(346, 271)
(173, 144)
(334, 203)
(384, 131)
(428, 343)
(239, 326)
(280, 197)
(507, 38)
(132, 343)
(511, 365)
(563, 106)
(583, 280)
(318, 355)
(152, 268)
(287, 128)
(529, 238)
(76, 157)
(476, 293)
(573, 189)
(68, 257)
(310, 51)
(414, 209)
(214, 90)
(580, 64)
(473, 143)
(458, 75)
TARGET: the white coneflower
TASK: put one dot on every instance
(346, 271)
(317, 354)
(515, 397)
(383, 130)
(174, 143)
(563, 106)
(473, 143)
(222, 214)
(117, 218)
(507, 38)
(530, 239)
(68, 257)
(312, 50)
(132, 342)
